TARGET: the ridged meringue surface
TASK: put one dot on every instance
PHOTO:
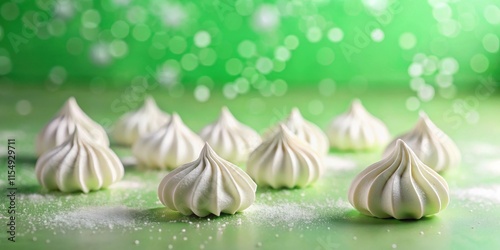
(357, 130)
(62, 127)
(208, 185)
(79, 164)
(399, 186)
(306, 131)
(133, 125)
(170, 146)
(284, 160)
(231, 139)
(431, 145)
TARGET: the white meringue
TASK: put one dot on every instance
(306, 131)
(357, 130)
(79, 164)
(208, 185)
(432, 146)
(62, 127)
(133, 125)
(231, 139)
(284, 161)
(170, 146)
(399, 186)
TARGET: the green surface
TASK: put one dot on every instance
(129, 215)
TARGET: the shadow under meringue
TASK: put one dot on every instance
(163, 214)
(354, 217)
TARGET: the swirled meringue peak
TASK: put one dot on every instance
(133, 125)
(357, 130)
(231, 139)
(62, 127)
(79, 164)
(399, 186)
(170, 146)
(304, 130)
(431, 145)
(284, 160)
(208, 185)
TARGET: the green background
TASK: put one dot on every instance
(114, 41)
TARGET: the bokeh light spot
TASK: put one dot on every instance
(407, 40)
(234, 66)
(5, 65)
(335, 35)
(201, 93)
(412, 103)
(264, 65)
(23, 107)
(479, 63)
(247, 49)
(491, 43)
(120, 29)
(202, 39)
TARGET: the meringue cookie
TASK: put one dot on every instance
(170, 146)
(62, 127)
(357, 130)
(431, 145)
(79, 164)
(231, 139)
(208, 185)
(306, 131)
(399, 186)
(133, 125)
(284, 161)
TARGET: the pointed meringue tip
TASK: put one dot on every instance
(207, 147)
(423, 115)
(356, 105)
(224, 111)
(175, 118)
(283, 129)
(295, 112)
(71, 102)
(402, 144)
(148, 100)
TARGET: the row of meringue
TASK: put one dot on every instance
(74, 153)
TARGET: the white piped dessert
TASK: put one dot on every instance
(208, 185)
(136, 124)
(431, 145)
(399, 186)
(231, 139)
(170, 146)
(357, 130)
(61, 128)
(306, 131)
(79, 164)
(284, 161)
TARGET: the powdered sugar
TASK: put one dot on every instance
(483, 196)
